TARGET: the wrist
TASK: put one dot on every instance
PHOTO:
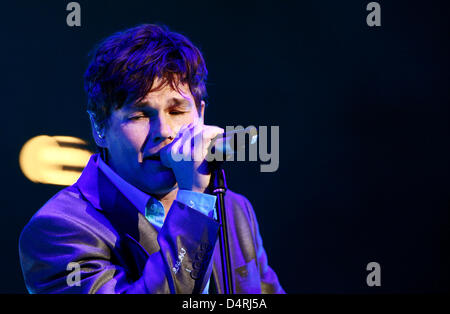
(193, 188)
(199, 185)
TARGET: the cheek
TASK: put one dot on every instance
(131, 137)
(177, 122)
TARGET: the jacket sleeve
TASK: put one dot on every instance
(60, 254)
(269, 280)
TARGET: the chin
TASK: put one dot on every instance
(160, 184)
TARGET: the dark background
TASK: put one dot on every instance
(363, 116)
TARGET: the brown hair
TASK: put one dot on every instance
(124, 66)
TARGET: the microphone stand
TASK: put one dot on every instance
(219, 189)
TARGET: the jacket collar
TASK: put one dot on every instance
(89, 182)
(106, 197)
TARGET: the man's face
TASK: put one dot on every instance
(137, 131)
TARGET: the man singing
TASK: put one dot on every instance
(139, 220)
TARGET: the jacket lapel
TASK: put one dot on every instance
(126, 218)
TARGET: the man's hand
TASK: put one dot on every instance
(185, 155)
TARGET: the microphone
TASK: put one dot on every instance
(231, 143)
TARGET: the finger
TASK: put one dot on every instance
(202, 141)
(198, 144)
(178, 137)
(166, 153)
(181, 130)
(181, 149)
(211, 131)
(188, 139)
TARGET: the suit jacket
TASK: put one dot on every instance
(93, 226)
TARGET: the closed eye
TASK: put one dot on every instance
(137, 117)
(177, 112)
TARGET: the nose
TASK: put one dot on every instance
(161, 129)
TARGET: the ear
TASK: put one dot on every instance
(202, 110)
(98, 132)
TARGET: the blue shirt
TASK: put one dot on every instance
(152, 208)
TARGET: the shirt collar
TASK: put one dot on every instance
(138, 198)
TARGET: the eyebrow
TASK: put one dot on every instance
(174, 101)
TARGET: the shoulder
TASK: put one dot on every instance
(240, 208)
(66, 204)
(237, 200)
(67, 212)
